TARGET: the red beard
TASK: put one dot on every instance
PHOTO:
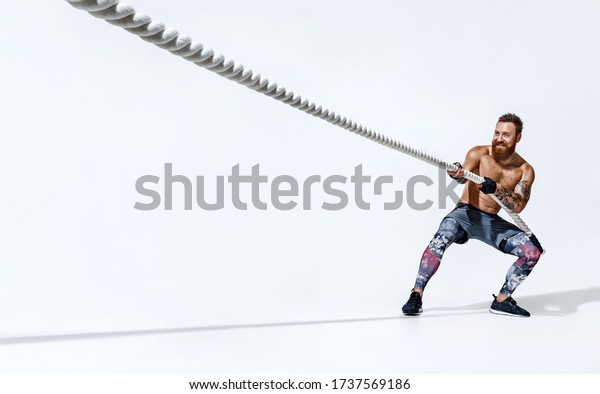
(502, 151)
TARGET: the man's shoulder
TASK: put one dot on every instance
(524, 166)
(519, 161)
(527, 168)
(479, 151)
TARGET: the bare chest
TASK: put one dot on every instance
(507, 176)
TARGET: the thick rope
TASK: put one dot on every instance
(125, 16)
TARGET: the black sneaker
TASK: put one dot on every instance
(508, 307)
(414, 305)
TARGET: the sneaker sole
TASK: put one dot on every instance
(505, 313)
(413, 314)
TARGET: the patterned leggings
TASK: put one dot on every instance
(518, 245)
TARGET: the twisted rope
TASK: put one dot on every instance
(125, 16)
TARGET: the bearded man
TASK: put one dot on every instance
(509, 177)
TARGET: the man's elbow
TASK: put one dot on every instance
(519, 207)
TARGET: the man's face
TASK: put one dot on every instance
(505, 140)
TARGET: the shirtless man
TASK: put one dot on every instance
(509, 177)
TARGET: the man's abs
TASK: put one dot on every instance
(471, 195)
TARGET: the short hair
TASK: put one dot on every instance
(514, 119)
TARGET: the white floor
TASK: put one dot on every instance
(560, 337)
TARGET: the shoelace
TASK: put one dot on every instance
(414, 298)
(509, 299)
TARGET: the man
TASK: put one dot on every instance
(509, 177)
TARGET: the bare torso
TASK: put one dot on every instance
(513, 174)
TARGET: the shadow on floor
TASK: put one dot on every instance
(551, 304)
(180, 330)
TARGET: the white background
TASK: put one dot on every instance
(89, 284)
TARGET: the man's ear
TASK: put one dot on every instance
(519, 137)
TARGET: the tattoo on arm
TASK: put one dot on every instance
(508, 198)
(525, 188)
(513, 199)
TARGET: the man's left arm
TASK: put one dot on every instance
(517, 199)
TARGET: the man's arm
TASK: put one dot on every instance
(471, 162)
(517, 199)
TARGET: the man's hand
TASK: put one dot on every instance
(488, 186)
(459, 174)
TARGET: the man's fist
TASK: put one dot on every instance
(459, 174)
(488, 186)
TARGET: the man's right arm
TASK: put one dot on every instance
(471, 163)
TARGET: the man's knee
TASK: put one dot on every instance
(531, 253)
(535, 254)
